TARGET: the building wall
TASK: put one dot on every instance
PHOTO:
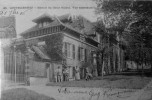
(76, 62)
(37, 69)
(43, 72)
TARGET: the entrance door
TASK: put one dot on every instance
(48, 72)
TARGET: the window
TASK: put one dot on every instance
(92, 54)
(94, 59)
(57, 28)
(43, 31)
(48, 23)
(65, 49)
(36, 33)
(53, 29)
(68, 50)
(44, 24)
(50, 30)
(81, 54)
(73, 51)
(39, 32)
(82, 38)
(86, 52)
(98, 37)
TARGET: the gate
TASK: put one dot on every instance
(14, 66)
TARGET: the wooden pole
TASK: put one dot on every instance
(15, 62)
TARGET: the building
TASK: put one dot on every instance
(7, 27)
(12, 65)
(61, 41)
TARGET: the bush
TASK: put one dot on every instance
(22, 94)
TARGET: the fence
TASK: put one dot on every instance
(14, 66)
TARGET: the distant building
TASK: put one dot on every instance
(64, 41)
(7, 27)
(12, 66)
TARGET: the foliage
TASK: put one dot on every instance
(139, 41)
(112, 6)
(132, 20)
(54, 46)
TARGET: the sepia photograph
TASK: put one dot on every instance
(75, 50)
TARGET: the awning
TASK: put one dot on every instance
(40, 52)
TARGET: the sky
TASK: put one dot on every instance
(39, 7)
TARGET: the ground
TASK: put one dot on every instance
(130, 86)
(23, 94)
(112, 81)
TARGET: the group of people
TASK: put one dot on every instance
(63, 74)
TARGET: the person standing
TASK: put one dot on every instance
(77, 73)
(58, 74)
(65, 74)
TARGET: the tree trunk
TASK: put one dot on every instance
(119, 60)
(151, 68)
(103, 67)
(142, 69)
(137, 66)
(114, 61)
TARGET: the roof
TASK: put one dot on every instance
(45, 15)
(66, 16)
(44, 55)
(81, 26)
(35, 28)
(58, 20)
(40, 52)
(78, 23)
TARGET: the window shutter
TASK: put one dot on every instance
(85, 55)
(73, 51)
(65, 49)
(91, 57)
(78, 53)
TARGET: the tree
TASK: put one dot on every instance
(129, 19)
(116, 16)
(105, 48)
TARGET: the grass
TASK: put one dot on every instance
(22, 94)
(112, 81)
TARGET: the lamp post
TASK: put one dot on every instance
(29, 63)
(15, 61)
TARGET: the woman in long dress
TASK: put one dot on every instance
(77, 73)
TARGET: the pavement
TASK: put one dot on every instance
(77, 93)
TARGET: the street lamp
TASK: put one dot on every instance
(15, 61)
(29, 63)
